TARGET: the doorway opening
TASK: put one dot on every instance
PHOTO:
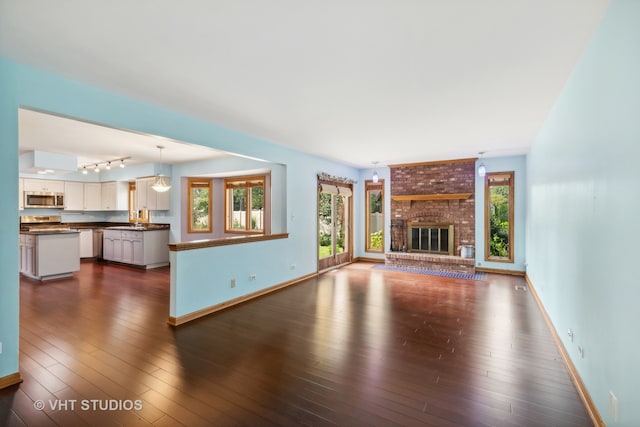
(334, 224)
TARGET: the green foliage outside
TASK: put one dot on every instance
(200, 208)
(325, 217)
(499, 221)
(375, 240)
(375, 201)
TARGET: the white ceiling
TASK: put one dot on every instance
(393, 81)
(92, 143)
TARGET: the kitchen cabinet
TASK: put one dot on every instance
(112, 245)
(27, 254)
(115, 196)
(148, 198)
(46, 256)
(133, 247)
(86, 243)
(92, 196)
(73, 196)
(146, 248)
(44, 185)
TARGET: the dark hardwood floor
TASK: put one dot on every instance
(355, 346)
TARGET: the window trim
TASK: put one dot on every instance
(487, 215)
(228, 214)
(199, 183)
(369, 185)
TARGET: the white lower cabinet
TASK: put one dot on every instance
(86, 243)
(49, 256)
(27, 254)
(146, 249)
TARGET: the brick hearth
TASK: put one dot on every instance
(431, 262)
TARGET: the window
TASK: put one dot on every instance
(498, 196)
(374, 221)
(244, 204)
(199, 205)
(132, 202)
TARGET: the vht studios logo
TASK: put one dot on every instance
(89, 405)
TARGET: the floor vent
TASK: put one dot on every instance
(520, 288)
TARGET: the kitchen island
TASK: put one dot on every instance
(48, 254)
(144, 246)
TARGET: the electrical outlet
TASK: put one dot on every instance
(581, 351)
(252, 277)
(613, 406)
(570, 333)
(292, 267)
(233, 283)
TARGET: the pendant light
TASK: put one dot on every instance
(482, 170)
(375, 178)
(161, 182)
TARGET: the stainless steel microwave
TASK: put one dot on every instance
(38, 199)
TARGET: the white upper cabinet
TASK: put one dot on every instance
(115, 196)
(92, 196)
(44, 185)
(150, 199)
(73, 196)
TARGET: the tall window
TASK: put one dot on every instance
(199, 205)
(498, 196)
(374, 193)
(244, 204)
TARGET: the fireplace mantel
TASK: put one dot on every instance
(416, 197)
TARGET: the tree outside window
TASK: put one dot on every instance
(374, 220)
(499, 216)
(199, 205)
(245, 204)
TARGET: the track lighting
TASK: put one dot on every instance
(106, 163)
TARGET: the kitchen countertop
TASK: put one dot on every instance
(146, 227)
(113, 225)
(45, 231)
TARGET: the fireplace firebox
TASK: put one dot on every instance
(430, 238)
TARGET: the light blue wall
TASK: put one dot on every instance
(25, 86)
(583, 233)
(516, 164)
(384, 173)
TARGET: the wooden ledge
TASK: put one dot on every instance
(414, 197)
(235, 240)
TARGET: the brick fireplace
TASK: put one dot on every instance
(434, 195)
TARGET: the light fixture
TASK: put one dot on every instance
(96, 165)
(482, 170)
(375, 178)
(161, 182)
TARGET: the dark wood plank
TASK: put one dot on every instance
(354, 346)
